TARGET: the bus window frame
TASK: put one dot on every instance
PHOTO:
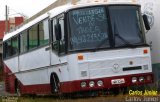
(59, 17)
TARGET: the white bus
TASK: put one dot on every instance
(78, 48)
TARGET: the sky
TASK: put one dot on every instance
(23, 7)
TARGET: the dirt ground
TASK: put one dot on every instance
(119, 98)
(52, 99)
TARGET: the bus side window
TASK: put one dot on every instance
(43, 32)
(58, 46)
(15, 45)
(8, 49)
(33, 37)
(55, 42)
(24, 41)
(62, 41)
(11, 47)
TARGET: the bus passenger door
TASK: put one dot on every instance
(58, 59)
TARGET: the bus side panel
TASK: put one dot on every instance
(35, 59)
(34, 77)
(60, 67)
(9, 80)
(10, 67)
(32, 69)
(12, 64)
(35, 81)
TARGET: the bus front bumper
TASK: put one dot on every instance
(106, 83)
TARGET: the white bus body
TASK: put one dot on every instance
(151, 9)
(42, 70)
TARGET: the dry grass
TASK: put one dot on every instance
(119, 98)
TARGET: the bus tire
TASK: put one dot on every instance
(54, 83)
(17, 88)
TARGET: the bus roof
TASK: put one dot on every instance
(52, 13)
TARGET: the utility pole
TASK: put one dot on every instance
(6, 19)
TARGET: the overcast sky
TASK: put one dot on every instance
(26, 7)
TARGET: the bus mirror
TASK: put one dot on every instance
(58, 32)
(146, 22)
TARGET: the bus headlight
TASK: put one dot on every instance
(134, 79)
(91, 84)
(141, 79)
(83, 84)
(100, 83)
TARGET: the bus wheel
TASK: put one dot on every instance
(54, 82)
(17, 88)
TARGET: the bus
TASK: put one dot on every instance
(79, 48)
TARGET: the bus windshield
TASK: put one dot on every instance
(126, 26)
(89, 27)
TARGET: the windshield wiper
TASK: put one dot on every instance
(127, 44)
